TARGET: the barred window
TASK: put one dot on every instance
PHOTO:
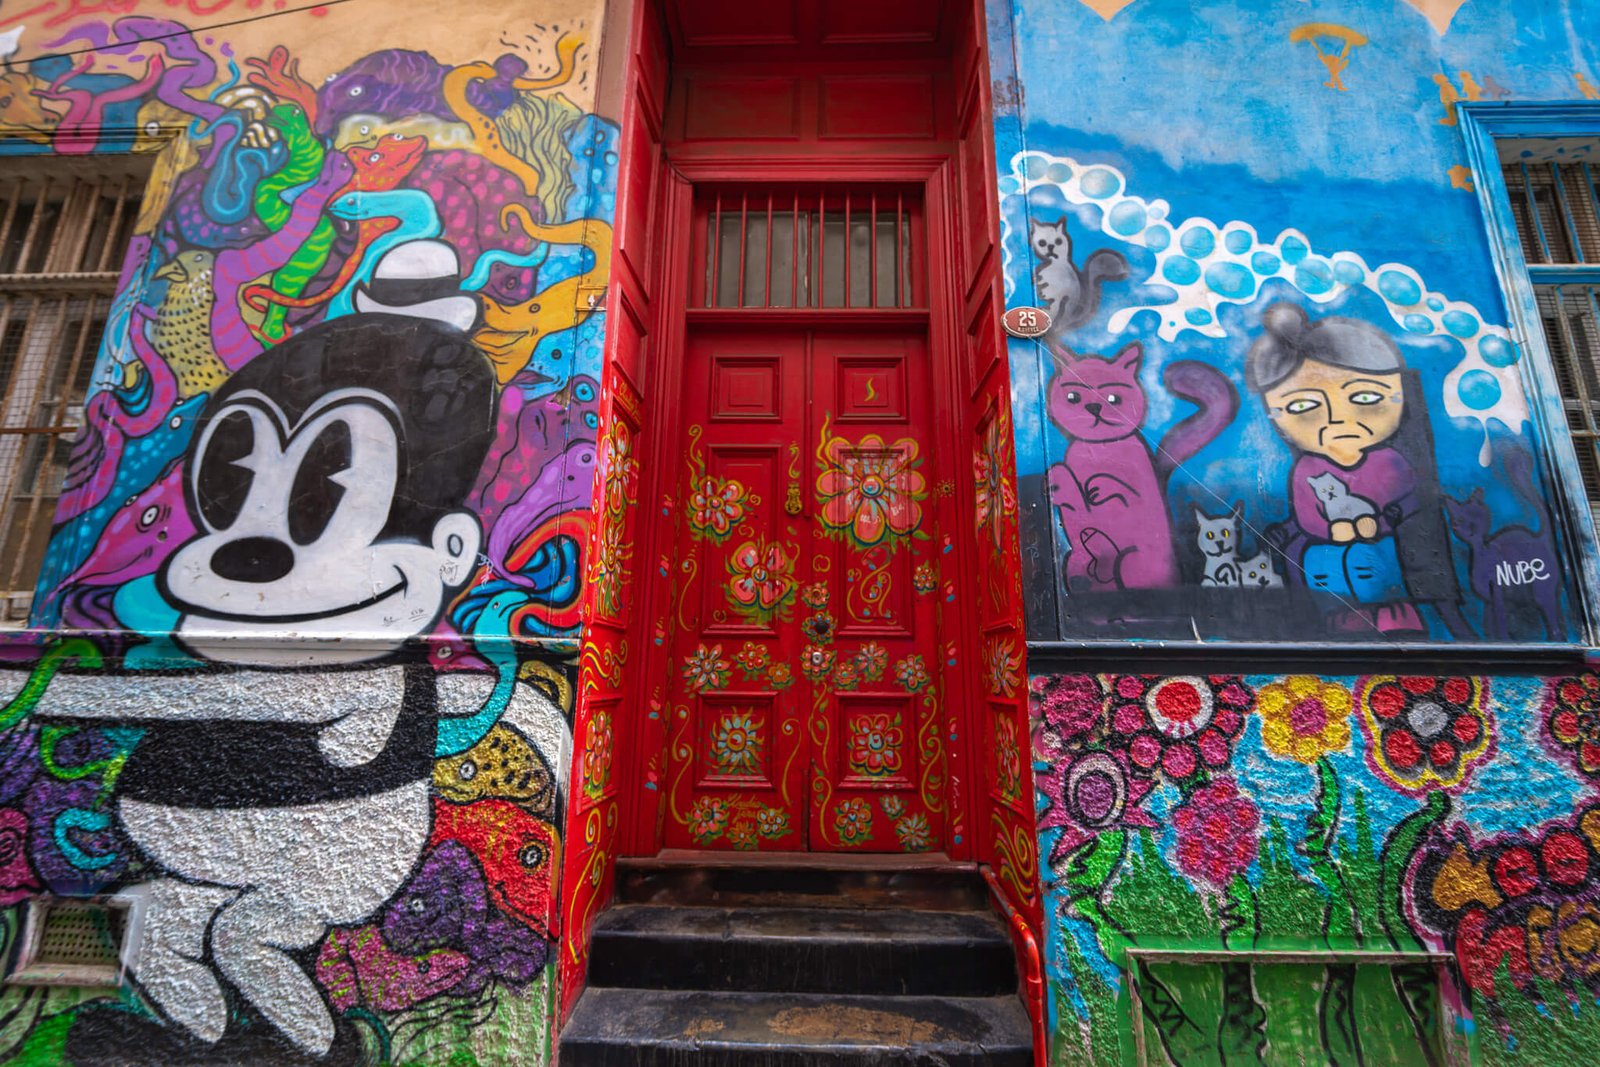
(1555, 203)
(65, 225)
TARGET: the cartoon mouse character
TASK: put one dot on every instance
(325, 483)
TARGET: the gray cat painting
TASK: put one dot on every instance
(1218, 539)
(1070, 295)
(1338, 504)
(1258, 571)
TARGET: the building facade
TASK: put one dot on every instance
(445, 452)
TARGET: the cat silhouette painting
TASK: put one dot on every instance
(1513, 569)
(1071, 294)
(1110, 491)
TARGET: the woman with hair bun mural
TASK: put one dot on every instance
(1366, 528)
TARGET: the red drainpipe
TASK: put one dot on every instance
(1032, 969)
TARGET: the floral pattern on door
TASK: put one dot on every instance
(793, 585)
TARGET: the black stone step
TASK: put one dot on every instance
(699, 884)
(667, 1028)
(803, 950)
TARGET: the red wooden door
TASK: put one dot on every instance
(804, 711)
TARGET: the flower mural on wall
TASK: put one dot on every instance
(1572, 713)
(1181, 726)
(1216, 833)
(1068, 709)
(1304, 718)
(870, 491)
(1422, 731)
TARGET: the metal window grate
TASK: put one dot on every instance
(1557, 211)
(794, 248)
(63, 236)
(1571, 319)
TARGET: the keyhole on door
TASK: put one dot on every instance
(791, 502)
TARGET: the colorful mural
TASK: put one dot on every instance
(325, 535)
(1377, 814)
(1258, 416)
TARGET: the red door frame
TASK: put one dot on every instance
(642, 826)
(618, 732)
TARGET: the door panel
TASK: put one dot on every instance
(736, 775)
(804, 713)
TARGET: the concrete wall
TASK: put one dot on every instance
(326, 532)
(1200, 190)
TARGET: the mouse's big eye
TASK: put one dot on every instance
(317, 489)
(225, 476)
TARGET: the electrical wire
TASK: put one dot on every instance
(123, 45)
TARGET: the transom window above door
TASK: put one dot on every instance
(833, 246)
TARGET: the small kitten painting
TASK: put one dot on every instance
(1259, 572)
(1341, 506)
(1218, 539)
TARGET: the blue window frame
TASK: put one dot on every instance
(1536, 168)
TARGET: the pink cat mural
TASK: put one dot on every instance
(1110, 490)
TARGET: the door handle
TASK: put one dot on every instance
(791, 501)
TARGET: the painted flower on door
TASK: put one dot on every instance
(870, 491)
(716, 506)
(875, 743)
(752, 659)
(705, 669)
(708, 817)
(736, 744)
(914, 833)
(871, 659)
(816, 663)
(760, 581)
(912, 673)
(853, 821)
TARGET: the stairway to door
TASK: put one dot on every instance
(780, 965)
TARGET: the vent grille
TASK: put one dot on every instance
(74, 942)
(76, 933)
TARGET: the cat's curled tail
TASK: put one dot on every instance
(1217, 400)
